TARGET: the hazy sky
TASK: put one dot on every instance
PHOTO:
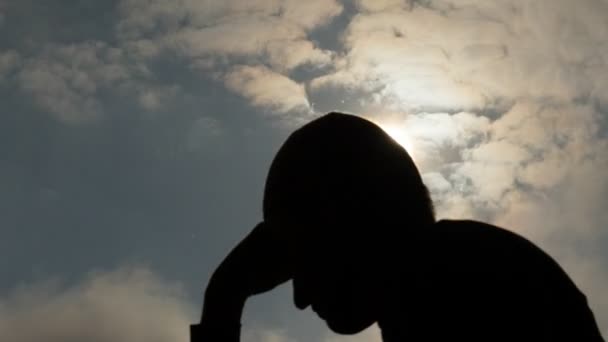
(135, 137)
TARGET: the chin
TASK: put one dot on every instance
(348, 326)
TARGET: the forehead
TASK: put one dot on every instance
(316, 234)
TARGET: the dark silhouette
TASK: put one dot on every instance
(348, 219)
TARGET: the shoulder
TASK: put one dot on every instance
(475, 235)
(473, 279)
(484, 248)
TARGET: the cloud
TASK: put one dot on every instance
(152, 97)
(128, 304)
(266, 88)
(65, 80)
(382, 5)
(371, 334)
(252, 42)
(539, 170)
(503, 105)
(272, 30)
(471, 55)
(265, 335)
(69, 80)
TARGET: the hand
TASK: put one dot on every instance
(257, 264)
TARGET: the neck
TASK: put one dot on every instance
(405, 263)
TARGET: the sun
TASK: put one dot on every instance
(399, 134)
(397, 129)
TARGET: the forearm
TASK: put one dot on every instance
(256, 265)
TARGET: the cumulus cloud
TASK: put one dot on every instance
(269, 38)
(69, 80)
(503, 106)
(127, 305)
(471, 55)
(501, 102)
(382, 5)
(274, 30)
(538, 169)
(65, 80)
(267, 88)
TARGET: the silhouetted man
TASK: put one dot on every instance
(349, 221)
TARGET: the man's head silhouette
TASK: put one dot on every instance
(349, 221)
(349, 196)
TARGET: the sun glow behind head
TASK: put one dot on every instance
(399, 133)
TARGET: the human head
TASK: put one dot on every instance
(350, 196)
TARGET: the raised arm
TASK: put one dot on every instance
(257, 264)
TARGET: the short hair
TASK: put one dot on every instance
(349, 166)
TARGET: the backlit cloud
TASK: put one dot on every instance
(126, 305)
(502, 103)
(263, 87)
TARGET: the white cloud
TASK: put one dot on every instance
(287, 55)
(469, 55)
(262, 29)
(442, 129)
(530, 75)
(266, 88)
(145, 17)
(524, 79)
(382, 5)
(539, 170)
(434, 139)
(271, 36)
(125, 305)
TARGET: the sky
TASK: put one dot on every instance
(135, 138)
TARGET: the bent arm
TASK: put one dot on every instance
(256, 265)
